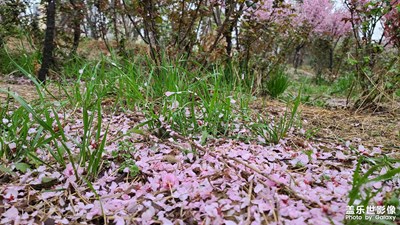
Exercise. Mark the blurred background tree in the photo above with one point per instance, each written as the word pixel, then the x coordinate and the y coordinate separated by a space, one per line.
pixel 253 37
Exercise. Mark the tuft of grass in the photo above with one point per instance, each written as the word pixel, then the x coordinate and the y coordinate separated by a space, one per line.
pixel 171 97
pixel 342 85
pixel 24 59
pixel 277 83
pixel 15 129
pixel 274 132
pixel 192 104
pixel 199 104
pixel 49 133
pixel 317 94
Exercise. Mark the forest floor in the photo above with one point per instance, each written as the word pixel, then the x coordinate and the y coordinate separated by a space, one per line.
pixel 304 179
pixel 332 124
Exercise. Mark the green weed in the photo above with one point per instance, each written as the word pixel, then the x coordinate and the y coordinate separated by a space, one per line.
pixel 342 85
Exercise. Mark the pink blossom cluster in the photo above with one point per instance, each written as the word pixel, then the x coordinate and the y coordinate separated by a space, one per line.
pixel 392 23
pixel 320 17
pixel 268 10
pixel 323 18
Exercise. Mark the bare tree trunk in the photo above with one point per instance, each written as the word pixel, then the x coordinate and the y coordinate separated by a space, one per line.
pixel 331 56
pixel 230 20
pixel 91 21
pixel 120 40
pixel 48 45
pixel 332 48
pixel 228 32
pixel 151 31
pixel 297 58
pixel 78 16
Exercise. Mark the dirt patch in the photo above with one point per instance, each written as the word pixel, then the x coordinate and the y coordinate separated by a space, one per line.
pixel 27 91
pixel 24 88
pixel 341 125
pixel 373 130
pixel 298 73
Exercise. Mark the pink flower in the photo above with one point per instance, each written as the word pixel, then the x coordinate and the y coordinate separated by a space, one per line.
pixel 69 170
pixel 169 180
pixel 69 173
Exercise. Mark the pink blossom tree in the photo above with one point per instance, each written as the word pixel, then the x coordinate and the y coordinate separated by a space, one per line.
pixel 320 19
pixel 266 35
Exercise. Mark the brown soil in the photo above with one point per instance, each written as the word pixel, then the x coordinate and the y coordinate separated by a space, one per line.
pixel 28 92
pixel 24 88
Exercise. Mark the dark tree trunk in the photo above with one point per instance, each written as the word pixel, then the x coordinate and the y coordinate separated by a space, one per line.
pixel 297 56
pixel 1 41
pixel 120 40
pixel 332 48
pixel 228 39
pixel 102 7
pixel 77 5
pixel 331 56
pixel 114 20
pixel 230 20
pixel 48 45
pixel 228 33
pixel 151 31
pixel 36 33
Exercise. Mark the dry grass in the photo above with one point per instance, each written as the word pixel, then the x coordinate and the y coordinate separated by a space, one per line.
pixel 341 125
pixel 366 128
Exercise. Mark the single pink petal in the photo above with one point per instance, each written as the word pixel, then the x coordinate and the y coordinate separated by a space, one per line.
pixel 303 159
pixel 148 214
pixel 211 209
pixel 169 93
pixel 229 222
pixel 258 188
pixel 340 155
pixel 119 220
pixel 11 213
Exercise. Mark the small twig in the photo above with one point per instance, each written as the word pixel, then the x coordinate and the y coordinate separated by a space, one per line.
pixel 255 169
pixel 276 211
pixel 79 193
pixel 349 94
pixel 248 221
pixel 71 201
pixel 197 146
